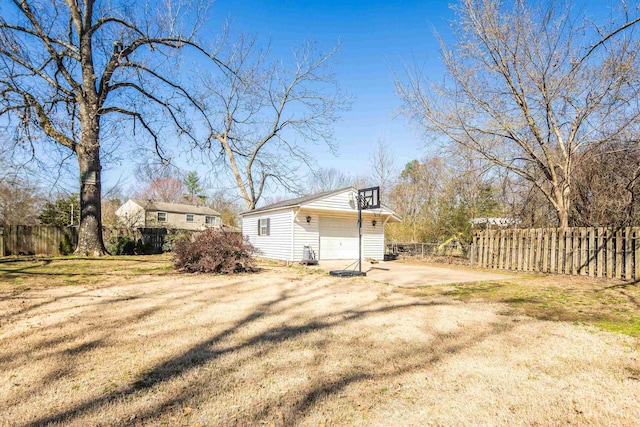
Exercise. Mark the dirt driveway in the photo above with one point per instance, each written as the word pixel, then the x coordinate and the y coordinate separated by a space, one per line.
pixel 292 347
pixel 414 275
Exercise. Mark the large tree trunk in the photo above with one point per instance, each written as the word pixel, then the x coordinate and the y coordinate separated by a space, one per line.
pixel 562 206
pixel 90 241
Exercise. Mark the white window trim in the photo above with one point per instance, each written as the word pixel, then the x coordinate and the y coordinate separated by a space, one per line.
pixel 193 217
pixel 211 220
pixel 263 223
pixel 166 217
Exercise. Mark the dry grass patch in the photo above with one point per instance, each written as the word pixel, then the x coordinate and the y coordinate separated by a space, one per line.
pixel 286 347
pixel 21 273
pixel 610 304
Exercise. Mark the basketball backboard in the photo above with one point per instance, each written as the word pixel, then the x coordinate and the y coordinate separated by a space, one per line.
pixel 369 198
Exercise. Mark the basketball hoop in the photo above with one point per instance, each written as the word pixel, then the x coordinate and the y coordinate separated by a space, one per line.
pixel 369 198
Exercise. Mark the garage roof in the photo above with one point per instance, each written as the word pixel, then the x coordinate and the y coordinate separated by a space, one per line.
pixel 298 201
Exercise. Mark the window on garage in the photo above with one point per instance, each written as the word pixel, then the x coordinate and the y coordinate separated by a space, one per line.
pixel 190 218
pixel 162 217
pixel 264 226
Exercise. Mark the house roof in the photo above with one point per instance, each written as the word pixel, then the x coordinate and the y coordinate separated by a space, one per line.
pixel 298 201
pixel 150 205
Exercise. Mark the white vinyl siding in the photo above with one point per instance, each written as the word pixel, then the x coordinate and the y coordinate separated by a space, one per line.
pixel 306 234
pixel 277 245
pixel 131 215
pixel 343 201
pixel 332 231
pixel 373 239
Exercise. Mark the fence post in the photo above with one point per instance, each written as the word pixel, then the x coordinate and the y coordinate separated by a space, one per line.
pixel 471 249
pixel 513 265
pixel 592 252
pixel 485 249
pixel 627 254
pixel 2 252
pixel 619 254
pixel 501 250
pixel 636 255
pixel 609 254
pixel 568 248
pixel 584 254
pixel 600 247
pixel 553 254
pixel 507 249
pixel 575 250
pixel 539 255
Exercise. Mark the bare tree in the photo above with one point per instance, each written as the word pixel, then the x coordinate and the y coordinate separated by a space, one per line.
pixel 72 72
pixel 20 201
pixel 607 187
pixel 229 207
pixel 383 167
pixel 263 116
pixel 329 179
pixel 169 189
pixel 531 87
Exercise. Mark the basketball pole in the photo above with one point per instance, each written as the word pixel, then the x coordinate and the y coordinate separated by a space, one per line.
pixel 359 235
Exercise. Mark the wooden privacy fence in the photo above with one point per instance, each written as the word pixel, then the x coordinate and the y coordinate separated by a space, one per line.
pixel 46 239
pixel 424 249
pixel 149 236
pixel 34 239
pixel 595 251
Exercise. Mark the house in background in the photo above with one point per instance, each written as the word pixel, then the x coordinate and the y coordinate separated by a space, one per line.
pixel 149 214
pixel 326 222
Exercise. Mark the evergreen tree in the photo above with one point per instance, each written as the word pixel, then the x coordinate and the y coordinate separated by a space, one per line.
pixel 62 212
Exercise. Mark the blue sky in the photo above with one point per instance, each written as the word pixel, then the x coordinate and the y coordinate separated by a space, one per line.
pixel 376 38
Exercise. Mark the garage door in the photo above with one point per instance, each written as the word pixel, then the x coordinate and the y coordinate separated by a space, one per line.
pixel 338 238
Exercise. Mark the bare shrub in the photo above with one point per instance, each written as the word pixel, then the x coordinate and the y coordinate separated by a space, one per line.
pixel 214 251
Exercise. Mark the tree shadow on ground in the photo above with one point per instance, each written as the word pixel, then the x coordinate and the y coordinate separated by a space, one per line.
pixel 268 326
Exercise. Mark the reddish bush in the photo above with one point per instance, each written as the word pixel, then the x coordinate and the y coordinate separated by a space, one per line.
pixel 214 251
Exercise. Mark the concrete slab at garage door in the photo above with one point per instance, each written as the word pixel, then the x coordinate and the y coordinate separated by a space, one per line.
pixel 416 275
pixel 338 238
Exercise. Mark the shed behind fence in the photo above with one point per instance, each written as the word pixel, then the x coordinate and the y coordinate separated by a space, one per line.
pixel 594 251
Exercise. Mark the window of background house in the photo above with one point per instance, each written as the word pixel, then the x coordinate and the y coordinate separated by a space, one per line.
pixel 162 217
pixel 210 220
pixel 263 227
pixel 190 218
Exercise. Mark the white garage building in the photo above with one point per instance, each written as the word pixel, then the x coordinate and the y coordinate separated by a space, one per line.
pixel 326 222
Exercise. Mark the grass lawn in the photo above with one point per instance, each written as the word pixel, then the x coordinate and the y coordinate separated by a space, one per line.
pixel 126 341
pixel 612 305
